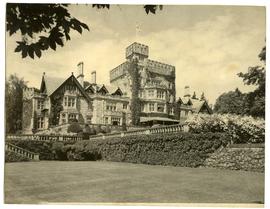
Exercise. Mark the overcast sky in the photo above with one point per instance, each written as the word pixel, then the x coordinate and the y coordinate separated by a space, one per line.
pixel 208 45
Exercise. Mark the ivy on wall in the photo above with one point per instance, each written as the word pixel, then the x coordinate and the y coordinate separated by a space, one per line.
pixel 135 106
pixel 56 108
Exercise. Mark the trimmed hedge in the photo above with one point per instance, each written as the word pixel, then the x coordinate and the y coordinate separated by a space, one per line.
pixel 13 157
pixel 178 149
pixel 48 150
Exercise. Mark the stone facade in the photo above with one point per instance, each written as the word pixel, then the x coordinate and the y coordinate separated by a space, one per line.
pixel 93 103
pixel 70 100
pixel 157 82
pixel 237 158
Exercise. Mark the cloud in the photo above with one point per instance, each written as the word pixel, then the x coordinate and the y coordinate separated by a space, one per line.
pixel 207 45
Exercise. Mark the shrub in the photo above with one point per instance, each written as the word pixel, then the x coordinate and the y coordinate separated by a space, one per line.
pixel 178 149
pixel 74 127
pixel 47 150
pixel 13 157
pixel 241 129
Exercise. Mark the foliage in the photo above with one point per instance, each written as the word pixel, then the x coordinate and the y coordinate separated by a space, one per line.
pixel 135 104
pixel 47 150
pixel 42 26
pixel 256 75
pixel 56 108
pixel 241 129
pixel 14 103
pixel 152 8
pixel 178 149
pixel 255 101
pixel 13 157
pixel 231 102
pixel 74 127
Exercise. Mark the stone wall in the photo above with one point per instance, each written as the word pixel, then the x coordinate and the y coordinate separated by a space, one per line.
pixel 238 158
pixel 27 116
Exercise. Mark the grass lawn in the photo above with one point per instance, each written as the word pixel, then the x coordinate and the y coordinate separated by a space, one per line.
pixel 112 182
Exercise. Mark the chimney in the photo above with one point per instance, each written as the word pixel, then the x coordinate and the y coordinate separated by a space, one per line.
pixel 80 76
pixel 186 92
pixel 93 77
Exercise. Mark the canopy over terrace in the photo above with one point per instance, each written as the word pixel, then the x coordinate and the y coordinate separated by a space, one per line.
pixel 149 121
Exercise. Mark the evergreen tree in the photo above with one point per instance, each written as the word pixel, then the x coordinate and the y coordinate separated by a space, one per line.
pixel 14 103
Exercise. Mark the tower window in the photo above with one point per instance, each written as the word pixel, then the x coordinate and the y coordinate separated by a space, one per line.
pixel 151 107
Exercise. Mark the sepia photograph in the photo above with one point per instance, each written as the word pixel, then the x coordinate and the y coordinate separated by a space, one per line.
pixel 140 104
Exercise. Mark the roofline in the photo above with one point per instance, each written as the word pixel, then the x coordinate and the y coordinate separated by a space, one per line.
pixel 77 83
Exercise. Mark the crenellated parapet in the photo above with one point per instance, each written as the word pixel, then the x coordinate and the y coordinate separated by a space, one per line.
pixel 29 93
pixel 119 71
pixel 137 49
pixel 160 68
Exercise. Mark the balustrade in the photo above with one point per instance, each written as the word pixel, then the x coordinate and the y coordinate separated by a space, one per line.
pixel 157 130
pixel 22 152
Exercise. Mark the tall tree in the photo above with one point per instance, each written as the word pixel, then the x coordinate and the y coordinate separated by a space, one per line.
pixel 230 102
pixel 44 26
pixel 255 101
pixel 13 103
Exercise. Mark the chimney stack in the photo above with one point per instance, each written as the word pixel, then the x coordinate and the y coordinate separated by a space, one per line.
pixel 80 76
pixel 186 92
pixel 93 77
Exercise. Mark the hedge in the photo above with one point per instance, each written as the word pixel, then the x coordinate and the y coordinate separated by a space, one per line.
pixel 178 149
pixel 13 157
pixel 47 150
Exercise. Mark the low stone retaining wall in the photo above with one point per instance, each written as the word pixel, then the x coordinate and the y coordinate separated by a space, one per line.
pixel 240 157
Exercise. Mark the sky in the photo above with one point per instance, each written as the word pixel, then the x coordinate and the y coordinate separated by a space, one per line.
pixel 208 45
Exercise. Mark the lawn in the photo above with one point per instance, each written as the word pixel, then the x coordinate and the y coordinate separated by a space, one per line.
pixel 112 182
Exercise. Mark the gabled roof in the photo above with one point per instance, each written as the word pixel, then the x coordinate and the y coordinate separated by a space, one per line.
pixel 90 87
pixel 51 84
pixel 107 88
pixel 187 101
pixel 199 104
pixel 113 90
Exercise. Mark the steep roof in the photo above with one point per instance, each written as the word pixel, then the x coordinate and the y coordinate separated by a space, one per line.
pixel 50 84
pixel 108 88
pixel 197 105
pixel 186 100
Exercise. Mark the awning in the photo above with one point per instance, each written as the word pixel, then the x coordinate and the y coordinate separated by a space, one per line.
pixel 147 119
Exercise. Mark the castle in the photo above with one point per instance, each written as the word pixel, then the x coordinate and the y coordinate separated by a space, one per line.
pixel 62 100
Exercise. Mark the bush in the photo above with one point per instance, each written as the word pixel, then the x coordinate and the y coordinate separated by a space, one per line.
pixel 178 149
pixel 74 127
pixel 13 157
pixel 241 129
pixel 47 150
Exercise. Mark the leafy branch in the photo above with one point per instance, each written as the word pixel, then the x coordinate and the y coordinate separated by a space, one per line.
pixel 44 26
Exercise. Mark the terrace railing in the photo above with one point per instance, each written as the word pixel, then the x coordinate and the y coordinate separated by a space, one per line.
pixel 157 130
pixel 44 137
pixel 22 152
pixel 146 131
